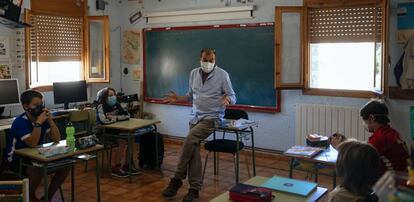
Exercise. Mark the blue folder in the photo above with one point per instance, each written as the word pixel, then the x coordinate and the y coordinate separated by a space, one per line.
pixel 288 185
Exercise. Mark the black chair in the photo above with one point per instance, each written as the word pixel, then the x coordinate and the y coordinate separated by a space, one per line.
pixel 227 146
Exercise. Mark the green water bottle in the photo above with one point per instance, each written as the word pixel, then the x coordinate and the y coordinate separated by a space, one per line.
pixel 70 136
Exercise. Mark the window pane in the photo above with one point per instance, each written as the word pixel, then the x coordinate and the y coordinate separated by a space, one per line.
pixel 344 66
pixel 48 72
pixel 291 46
pixel 96 49
pixel 378 67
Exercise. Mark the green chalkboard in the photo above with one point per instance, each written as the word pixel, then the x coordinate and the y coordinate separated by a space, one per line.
pixel 245 52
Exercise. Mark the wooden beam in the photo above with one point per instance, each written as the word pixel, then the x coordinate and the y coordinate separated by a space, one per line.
pixel 336 3
pixel 60 7
pixel 398 93
pixel 341 93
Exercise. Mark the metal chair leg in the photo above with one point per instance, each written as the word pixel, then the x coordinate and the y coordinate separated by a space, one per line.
pixel 292 160
pixel 205 166
pixel 72 183
pixel 246 160
pixel 86 166
pixel 62 197
pixel 110 160
pixel 235 168
pixel 105 151
pixel 215 156
pixel 218 163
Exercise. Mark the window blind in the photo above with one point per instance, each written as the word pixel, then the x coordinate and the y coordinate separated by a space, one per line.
pixel 350 24
pixel 55 38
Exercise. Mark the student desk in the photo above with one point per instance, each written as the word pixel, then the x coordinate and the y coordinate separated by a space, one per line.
pixel 327 157
pixel 245 129
pixel 6 124
pixel 5 127
pixel 130 126
pixel 317 195
pixel 33 155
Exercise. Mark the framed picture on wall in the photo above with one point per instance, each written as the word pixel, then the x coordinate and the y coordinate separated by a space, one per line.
pixel 131 47
pixel 4 48
pixel 136 73
pixel 5 71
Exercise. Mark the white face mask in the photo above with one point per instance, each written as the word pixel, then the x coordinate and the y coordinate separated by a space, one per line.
pixel 207 67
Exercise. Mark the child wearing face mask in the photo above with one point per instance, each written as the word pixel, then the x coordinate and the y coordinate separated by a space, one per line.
pixel 110 111
pixel 29 130
pixel 392 149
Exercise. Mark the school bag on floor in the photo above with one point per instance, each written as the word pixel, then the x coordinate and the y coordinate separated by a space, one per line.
pixel 147 155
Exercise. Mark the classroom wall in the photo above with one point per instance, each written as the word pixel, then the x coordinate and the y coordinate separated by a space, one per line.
pixel 276 131
pixel 112 9
pixel 400 109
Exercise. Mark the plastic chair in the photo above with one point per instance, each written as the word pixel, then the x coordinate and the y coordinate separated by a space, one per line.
pixel 80 118
pixel 84 118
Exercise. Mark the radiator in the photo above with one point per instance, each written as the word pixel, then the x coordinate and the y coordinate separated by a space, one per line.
pixel 327 120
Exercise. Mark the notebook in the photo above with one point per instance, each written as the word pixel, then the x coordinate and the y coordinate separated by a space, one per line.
pixel 288 185
pixel 304 151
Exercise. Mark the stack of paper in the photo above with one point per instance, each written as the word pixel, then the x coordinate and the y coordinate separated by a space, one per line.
pixel 304 151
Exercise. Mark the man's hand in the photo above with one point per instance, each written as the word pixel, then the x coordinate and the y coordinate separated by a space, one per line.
pixel 225 100
pixel 171 97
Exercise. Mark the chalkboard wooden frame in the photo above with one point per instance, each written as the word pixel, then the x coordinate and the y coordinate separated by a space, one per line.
pixel 275 109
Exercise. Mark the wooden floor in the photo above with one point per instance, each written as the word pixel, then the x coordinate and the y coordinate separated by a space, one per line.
pixel 149 184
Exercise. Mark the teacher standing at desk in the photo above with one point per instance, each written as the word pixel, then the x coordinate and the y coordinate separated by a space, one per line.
pixel 210 92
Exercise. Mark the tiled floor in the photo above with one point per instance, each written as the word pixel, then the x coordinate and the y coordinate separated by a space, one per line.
pixel 148 185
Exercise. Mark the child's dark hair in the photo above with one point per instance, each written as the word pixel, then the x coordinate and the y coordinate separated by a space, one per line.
pixel 377 109
pixel 104 95
pixel 358 166
pixel 27 96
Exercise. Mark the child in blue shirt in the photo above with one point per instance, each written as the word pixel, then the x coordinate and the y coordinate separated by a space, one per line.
pixel 29 130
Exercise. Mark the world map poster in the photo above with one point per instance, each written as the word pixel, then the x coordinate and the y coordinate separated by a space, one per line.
pixel 131 47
